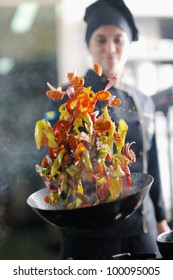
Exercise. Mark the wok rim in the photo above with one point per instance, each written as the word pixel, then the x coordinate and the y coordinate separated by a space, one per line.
pixel 160 236
pixel 54 208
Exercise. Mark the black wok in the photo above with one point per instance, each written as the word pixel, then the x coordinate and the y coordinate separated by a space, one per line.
pixel 94 217
pixel 165 244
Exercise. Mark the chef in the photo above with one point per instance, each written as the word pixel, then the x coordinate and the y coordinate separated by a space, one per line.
pixel 110 28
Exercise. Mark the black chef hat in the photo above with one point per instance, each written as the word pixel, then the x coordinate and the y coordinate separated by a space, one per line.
pixel 110 12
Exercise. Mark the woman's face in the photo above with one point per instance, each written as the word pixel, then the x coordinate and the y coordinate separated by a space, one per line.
pixel 109 47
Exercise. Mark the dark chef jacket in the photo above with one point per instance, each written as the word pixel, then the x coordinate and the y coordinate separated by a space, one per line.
pixel 138 112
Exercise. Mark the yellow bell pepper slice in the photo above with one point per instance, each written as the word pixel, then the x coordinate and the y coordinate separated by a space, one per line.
pixel 43 127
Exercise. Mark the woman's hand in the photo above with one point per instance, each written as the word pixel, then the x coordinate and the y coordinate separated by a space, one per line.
pixel 162 227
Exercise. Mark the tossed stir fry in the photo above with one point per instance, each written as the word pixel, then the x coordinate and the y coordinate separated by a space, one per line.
pixel 88 160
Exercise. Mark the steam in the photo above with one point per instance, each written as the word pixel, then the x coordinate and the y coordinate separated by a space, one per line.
pixel 23 102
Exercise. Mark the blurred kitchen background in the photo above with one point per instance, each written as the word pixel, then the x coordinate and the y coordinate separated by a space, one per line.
pixel 40 41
